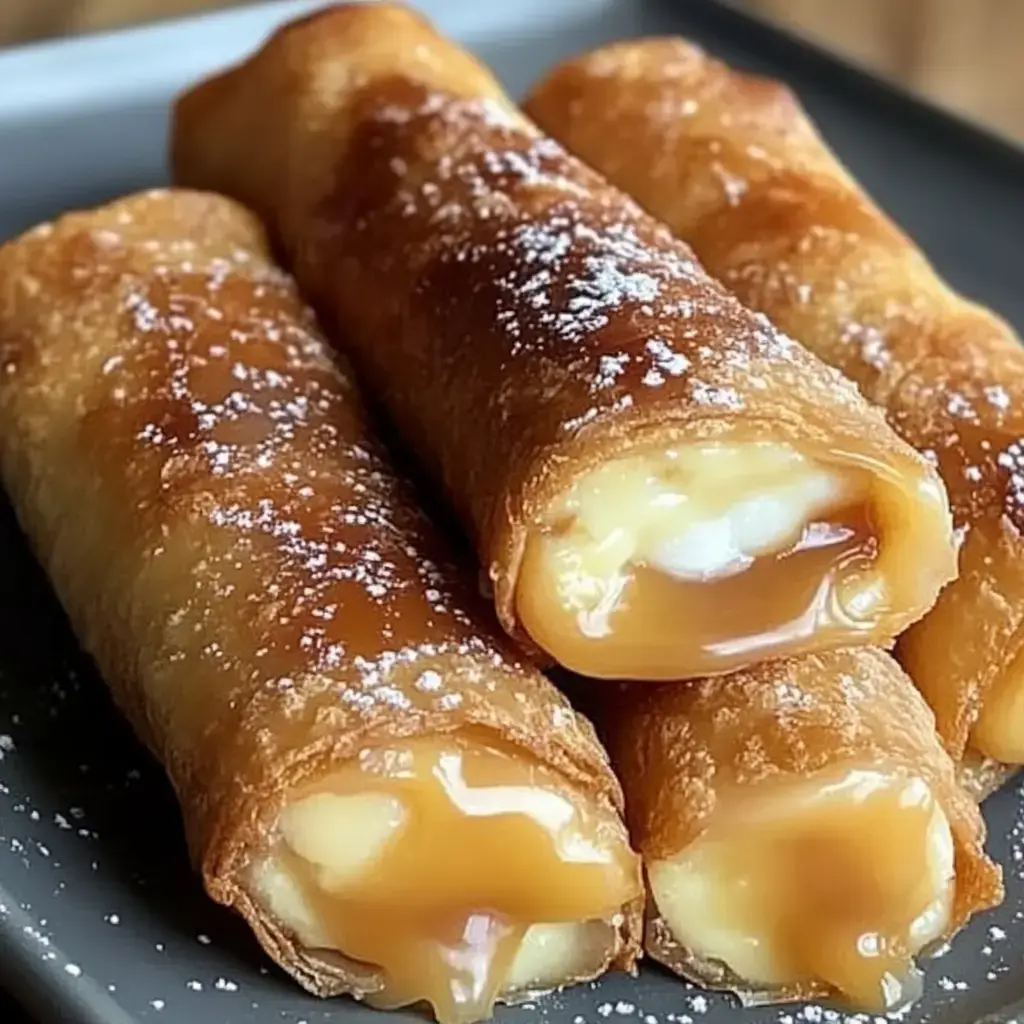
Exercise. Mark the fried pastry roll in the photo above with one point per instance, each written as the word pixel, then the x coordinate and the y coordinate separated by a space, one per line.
pixel 734 165
pixel 801 827
pixel 398 808
pixel 638 459
pixel 982 776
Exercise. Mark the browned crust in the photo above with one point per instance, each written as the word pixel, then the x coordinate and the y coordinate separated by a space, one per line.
pixel 732 163
pixel 520 320
pixel 259 589
pixel 981 777
pixel 679 749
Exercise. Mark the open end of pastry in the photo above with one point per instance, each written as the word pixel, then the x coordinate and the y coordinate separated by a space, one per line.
pixel 702 559
pixel 462 873
pixel 999 731
pixel 838 882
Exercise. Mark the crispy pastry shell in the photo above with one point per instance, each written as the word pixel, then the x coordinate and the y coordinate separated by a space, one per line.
pixel 258 588
pixel 682 750
pixel 733 164
pixel 521 321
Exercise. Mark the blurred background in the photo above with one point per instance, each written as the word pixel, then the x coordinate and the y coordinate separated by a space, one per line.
pixel 965 54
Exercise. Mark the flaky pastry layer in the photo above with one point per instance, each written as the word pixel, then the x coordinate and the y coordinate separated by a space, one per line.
pixel 522 322
pixel 732 163
pixel 260 590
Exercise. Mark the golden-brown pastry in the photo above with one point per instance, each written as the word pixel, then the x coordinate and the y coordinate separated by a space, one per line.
pixel 638 459
pixel 398 808
pixel 733 164
pixel 801 827
pixel 982 776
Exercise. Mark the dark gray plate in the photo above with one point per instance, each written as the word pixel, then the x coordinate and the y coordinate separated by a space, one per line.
pixel 100 919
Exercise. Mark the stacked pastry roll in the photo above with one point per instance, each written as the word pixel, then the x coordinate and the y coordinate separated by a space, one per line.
pixel 659 484
pixel 802 829
pixel 398 806
pixel 636 456
pixel 733 164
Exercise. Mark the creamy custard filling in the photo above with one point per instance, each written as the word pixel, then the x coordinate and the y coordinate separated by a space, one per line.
pixel 698 560
pixel 841 882
pixel 461 872
pixel 999 731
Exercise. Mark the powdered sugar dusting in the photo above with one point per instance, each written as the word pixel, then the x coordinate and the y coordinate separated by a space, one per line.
pixel 966 414
pixel 960 413
pixel 567 294
pixel 622 998
pixel 818 257
pixel 287 565
pixel 221 401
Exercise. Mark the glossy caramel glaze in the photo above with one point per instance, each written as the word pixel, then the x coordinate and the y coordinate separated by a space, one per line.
pixel 733 164
pixel 258 588
pixel 694 757
pixel 681 592
pixel 521 321
pixel 437 902
pixel 649 625
pixel 841 879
